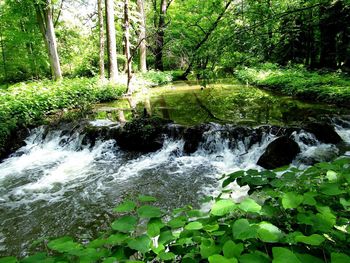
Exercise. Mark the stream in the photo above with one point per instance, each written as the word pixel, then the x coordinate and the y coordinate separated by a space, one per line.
pixel 58 185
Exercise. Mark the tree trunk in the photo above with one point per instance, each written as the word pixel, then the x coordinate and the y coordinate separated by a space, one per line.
pixel 204 39
pixel 45 20
pixel 142 36
pixel 102 40
pixel 3 55
pixel 160 36
pixel 111 43
pixel 127 44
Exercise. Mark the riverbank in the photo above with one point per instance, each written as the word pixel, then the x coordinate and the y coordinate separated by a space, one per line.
pixel 27 104
pixel 332 88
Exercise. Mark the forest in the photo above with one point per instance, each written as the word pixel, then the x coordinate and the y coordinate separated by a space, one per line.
pixel 175 131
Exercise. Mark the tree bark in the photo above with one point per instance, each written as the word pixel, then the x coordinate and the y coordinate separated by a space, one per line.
pixel 142 36
pixel 45 20
pixel 102 41
pixel 111 43
pixel 160 36
pixel 127 44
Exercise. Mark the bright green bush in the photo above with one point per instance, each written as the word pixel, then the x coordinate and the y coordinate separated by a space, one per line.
pixel 157 77
pixel 290 216
pixel 25 104
pixel 299 82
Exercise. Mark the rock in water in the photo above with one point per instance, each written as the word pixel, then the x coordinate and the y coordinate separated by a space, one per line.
pixel 323 132
pixel 280 152
pixel 142 135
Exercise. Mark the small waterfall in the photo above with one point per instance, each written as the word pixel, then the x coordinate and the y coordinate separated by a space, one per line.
pixel 58 184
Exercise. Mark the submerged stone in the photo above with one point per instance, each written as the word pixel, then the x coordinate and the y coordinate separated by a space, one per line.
pixel 278 153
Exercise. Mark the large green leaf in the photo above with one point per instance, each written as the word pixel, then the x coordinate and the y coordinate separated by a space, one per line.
pixel 243 230
pixel 220 259
pixel 141 243
pixel 149 211
pixel 8 260
pixel 194 226
pixel 116 239
pixel 208 248
pixel 64 244
pixel 291 200
pixel 177 222
pixel 255 257
pixel 314 240
pixel 250 206
pixel 340 258
pixel 284 255
pixel 231 249
pixel 223 207
pixel 267 232
pixel 154 226
pixel 125 224
pixel 126 206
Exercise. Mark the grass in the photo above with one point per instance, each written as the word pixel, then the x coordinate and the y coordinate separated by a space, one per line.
pixel 333 88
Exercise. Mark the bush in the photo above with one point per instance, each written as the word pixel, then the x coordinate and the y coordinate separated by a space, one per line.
pixel 297 81
pixel 290 216
pixel 26 104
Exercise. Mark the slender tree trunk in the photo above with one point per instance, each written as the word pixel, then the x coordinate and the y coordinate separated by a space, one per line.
pixel 45 20
pixel 142 36
pixel 204 39
pixel 102 40
pixel 127 44
pixel 160 36
pixel 111 43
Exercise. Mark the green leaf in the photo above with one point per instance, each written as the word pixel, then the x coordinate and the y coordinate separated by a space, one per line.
pixel 313 240
pixel 126 206
pixel 154 226
pixel 211 228
pixel 146 198
pixel 291 200
pixel 194 226
pixel 241 229
pixel 116 239
pixel 231 249
pixel 309 199
pixel 345 203
pixel 166 237
pixel 177 222
pixel 110 260
pixel 166 256
pixel 255 257
pixel 64 244
pixel 141 243
pixel 38 258
pixel 284 255
pixel 149 211
pixel 250 206
pixel 208 248
pixel 97 243
pixel 8 260
pixel 340 258
pixel 306 258
pixel 220 259
pixel 331 189
pixel 223 207
pixel 125 224
pixel 267 232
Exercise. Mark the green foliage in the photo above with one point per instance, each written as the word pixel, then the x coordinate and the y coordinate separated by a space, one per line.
pixel 25 104
pixel 156 78
pixel 286 219
pixel 297 81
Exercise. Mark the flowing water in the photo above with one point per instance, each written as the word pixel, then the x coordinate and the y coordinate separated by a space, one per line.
pixel 56 185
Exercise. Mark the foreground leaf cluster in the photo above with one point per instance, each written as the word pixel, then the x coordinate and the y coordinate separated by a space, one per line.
pixel 289 216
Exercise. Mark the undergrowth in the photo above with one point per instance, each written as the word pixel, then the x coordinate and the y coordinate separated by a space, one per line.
pixel 297 81
pixel 290 216
pixel 26 104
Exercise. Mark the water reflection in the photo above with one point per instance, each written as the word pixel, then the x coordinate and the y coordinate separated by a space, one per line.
pixel 226 101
